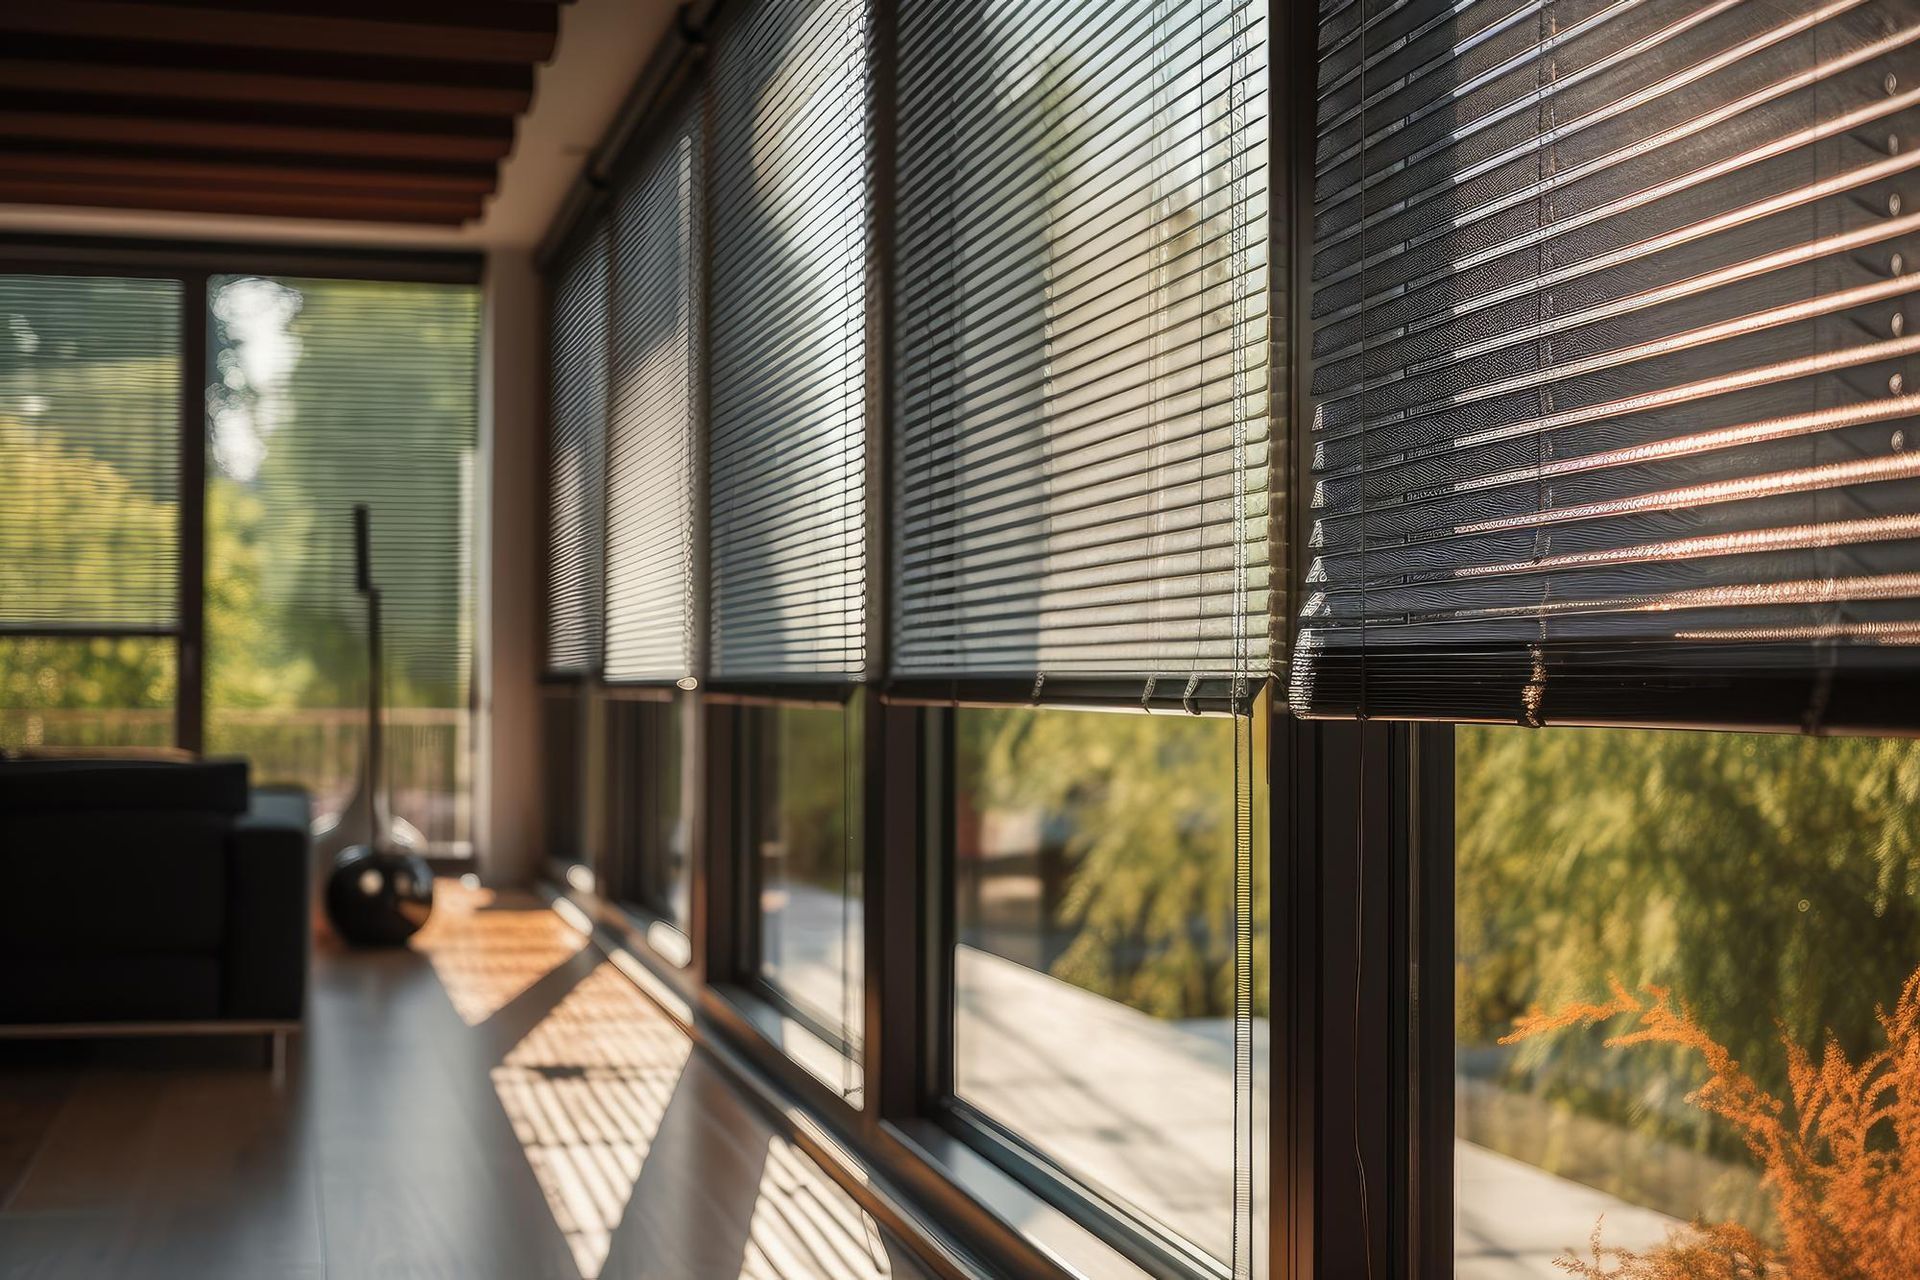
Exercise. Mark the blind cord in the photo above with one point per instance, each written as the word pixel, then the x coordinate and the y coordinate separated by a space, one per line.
pixel 1359 969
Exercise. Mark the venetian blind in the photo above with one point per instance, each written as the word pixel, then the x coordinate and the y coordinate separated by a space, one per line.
pixel 90 383
pixel 576 452
pixel 1082 457
pixel 1613 327
pixel 328 394
pixel 790 192
pixel 651 463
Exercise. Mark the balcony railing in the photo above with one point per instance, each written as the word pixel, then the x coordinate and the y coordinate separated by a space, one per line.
pixel 429 758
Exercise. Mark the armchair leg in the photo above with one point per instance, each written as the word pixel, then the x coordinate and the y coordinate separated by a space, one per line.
pixel 277 1056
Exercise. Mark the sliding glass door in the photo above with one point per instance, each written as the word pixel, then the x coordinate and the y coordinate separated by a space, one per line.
pixel 175 528
pixel 325 394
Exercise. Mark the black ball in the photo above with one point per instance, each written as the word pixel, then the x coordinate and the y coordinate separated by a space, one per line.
pixel 378 899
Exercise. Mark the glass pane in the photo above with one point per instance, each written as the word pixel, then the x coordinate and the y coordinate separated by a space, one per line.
pixel 328 393
pixel 94 691
pixel 89 452
pixel 1766 885
pixel 562 765
pixel 1094 966
pixel 651 866
pixel 809 927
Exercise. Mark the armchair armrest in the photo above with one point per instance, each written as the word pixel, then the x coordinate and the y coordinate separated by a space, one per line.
pixel 267 925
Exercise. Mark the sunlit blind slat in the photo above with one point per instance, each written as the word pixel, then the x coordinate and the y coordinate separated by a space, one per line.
pixel 576 452
pixel 790 192
pixel 1082 340
pixel 90 385
pixel 651 465
pixel 1613 330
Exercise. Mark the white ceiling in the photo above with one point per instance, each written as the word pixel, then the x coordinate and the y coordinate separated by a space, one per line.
pixel 602 47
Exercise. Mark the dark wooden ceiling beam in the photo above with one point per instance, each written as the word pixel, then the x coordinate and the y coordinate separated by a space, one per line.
pixel 334 205
pixel 511 77
pixel 364 110
pixel 503 31
pixel 228 171
pixel 243 135
pixel 345 119
pixel 43 74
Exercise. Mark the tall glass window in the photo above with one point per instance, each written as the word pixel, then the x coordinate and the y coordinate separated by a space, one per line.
pixel 1650 926
pixel 806 930
pixel 646 758
pixel 324 394
pixel 90 386
pixel 1094 952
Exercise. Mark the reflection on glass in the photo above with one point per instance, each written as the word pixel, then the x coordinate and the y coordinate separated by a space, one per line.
pixel 323 394
pixel 652 867
pixel 1768 883
pixel 809 926
pixel 1094 967
pixel 93 691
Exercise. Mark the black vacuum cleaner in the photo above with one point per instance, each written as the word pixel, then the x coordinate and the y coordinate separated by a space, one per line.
pixel 377 895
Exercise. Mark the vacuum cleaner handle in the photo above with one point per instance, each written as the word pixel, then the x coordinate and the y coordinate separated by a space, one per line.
pixel 362 551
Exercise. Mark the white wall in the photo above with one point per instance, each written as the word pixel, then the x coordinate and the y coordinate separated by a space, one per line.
pixel 508 787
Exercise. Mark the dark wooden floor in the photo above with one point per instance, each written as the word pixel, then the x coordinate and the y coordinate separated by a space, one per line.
pixel 498 1102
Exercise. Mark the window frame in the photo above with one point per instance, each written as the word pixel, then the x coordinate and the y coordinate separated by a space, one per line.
pixel 1028 1219
pixel 192 265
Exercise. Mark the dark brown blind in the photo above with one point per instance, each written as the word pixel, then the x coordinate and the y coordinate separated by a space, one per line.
pixel 576 452
pixel 790 192
pixel 652 441
pixel 1613 331
pixel 1082 338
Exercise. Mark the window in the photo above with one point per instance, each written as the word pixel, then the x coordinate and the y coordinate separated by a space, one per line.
pixel 789 197
pixel 650 839
pixel 1081 515
pixel 327 393
pixel 563 765
pixel 1094 962
pixel 90 383
pixel 1766 882
pixel 799 782
pixel 93 691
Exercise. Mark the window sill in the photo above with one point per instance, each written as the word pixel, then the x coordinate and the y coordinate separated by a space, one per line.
pixel 822 1059
pixel 1068 1245
pixel 921 1180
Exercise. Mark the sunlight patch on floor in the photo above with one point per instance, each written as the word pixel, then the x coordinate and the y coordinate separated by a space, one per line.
pixel 485 958
pixel 586 1092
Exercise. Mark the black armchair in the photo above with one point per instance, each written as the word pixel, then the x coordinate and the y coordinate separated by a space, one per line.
pixel 150 897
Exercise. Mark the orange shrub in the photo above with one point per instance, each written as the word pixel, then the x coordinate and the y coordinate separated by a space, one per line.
pixel 1842 1163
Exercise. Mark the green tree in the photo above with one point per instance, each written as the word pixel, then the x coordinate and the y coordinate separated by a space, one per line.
pixel 1771 881
pixel 1146 805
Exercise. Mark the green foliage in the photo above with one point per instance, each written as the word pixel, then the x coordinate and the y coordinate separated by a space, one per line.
pixel 813 804
pixel 1773 880
pixel 1146 804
